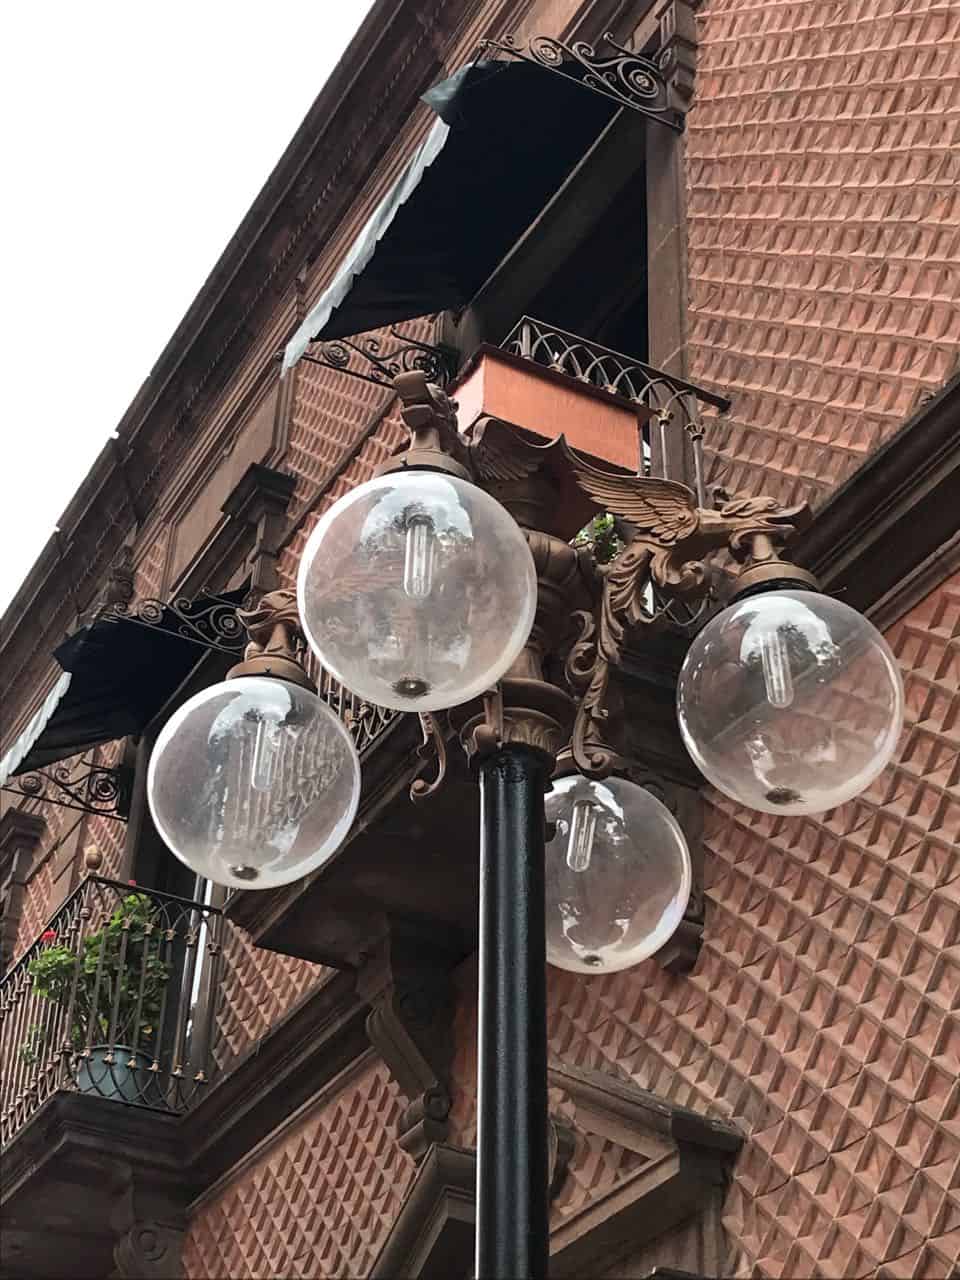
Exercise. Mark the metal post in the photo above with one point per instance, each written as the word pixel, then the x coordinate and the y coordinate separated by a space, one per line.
pixel 512 1161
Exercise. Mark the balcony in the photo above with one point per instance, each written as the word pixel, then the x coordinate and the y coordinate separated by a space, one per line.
pixel 108 1037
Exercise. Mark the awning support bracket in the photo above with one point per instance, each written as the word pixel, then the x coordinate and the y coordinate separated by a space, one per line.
pixel 630 79
pixel 210 622
pixel 373 360
pixel 78 784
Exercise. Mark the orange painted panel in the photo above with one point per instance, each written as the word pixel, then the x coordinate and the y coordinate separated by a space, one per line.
pixel 549 405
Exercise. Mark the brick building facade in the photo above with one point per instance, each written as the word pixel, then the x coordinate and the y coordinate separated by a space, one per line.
pixel 801 250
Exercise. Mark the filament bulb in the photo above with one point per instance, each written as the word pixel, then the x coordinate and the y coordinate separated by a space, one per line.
pixel 418 556
pixel 583 829
pixel 775 663
pixel 266 750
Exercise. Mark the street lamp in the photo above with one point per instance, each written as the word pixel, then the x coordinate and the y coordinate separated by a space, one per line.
pixel 618 874
pixel 420 591
pixel 417 590
pixel 255 782
pixel 790 701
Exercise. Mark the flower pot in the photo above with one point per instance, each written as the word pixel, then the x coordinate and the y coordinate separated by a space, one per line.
pixel 117 1079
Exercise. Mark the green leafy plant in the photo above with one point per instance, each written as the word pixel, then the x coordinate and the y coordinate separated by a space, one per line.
pixel 105 972
pixel 601 534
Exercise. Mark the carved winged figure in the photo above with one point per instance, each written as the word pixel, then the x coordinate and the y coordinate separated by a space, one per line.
pixel 670 536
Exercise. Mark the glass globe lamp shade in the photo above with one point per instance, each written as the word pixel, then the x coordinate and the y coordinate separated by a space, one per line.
pixel 617 874
pixel 790 702
pixel 254 782
pixel 417 590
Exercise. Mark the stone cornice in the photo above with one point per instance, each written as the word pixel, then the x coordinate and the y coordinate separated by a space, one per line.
pixel 895 519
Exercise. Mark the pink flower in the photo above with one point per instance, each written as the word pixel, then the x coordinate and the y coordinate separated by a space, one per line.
pixel 133 882
pixel 48 935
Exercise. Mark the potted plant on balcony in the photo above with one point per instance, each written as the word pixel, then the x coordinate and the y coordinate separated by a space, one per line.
pixel 112 986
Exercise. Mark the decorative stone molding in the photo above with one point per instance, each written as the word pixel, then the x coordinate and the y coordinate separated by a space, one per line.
pixel 149 1251
pixel 260 500
pixel 677 57
pixel 95 1188
pixel 563 1143
pixel 411 1027
pixel 675 1173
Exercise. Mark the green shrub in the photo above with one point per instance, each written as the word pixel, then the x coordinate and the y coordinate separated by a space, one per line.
pixel 54 968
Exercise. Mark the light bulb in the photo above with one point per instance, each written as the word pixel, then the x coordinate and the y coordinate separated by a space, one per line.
pixel 254 782
pixel 618 874
pixel 583 830
pixel 420 543
pixel 775 663
pixel 417 590
pixel 267 746
pixel 790 702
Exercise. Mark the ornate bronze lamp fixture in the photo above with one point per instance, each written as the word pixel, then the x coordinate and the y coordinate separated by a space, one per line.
pixel 449 585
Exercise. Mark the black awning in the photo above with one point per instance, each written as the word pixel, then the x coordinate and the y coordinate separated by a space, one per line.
pixel 119 674
pixel 509 133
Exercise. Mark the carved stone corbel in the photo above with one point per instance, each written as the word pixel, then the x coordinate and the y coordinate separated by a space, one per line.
pixel 260 500
pixel 411 1026
pixel 149 1251
pixel 149 1223
pixel 677 58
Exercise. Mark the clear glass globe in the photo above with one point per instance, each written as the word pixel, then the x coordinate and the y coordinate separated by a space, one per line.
pixel 617 874
pixel 254 782
pixel 417 590
pixel 790 702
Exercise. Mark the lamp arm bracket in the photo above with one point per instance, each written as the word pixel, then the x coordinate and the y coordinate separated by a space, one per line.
pixel 434 744
pixel 663 563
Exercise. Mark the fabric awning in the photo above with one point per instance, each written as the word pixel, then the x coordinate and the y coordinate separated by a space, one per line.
pixel 117 676
pixel 507 136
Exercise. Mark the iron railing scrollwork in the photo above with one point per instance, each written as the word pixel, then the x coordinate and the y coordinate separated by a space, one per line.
pixel 629 79
pixel 376 360
pixel 116 999
pixel 213 623
pixel 669 400
pixel 366 721
pixel 210 621
pixel 78 784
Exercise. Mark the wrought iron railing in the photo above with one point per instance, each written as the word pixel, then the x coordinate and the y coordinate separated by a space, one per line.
pixel 115 999
pixel 672 401
pixel 366 721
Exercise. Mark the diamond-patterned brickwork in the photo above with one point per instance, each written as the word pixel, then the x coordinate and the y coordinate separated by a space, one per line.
pixel 823 1015
pixel 256 988
pixel 824 1012
pixel 823 189
pixel 36 907
pixel 148 579
pixel 318 1203
pixel 38 899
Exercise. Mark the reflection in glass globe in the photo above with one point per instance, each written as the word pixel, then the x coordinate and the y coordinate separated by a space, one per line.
pixel 417 590
pixel 790 702
pixel 617 874
pixel 254 782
